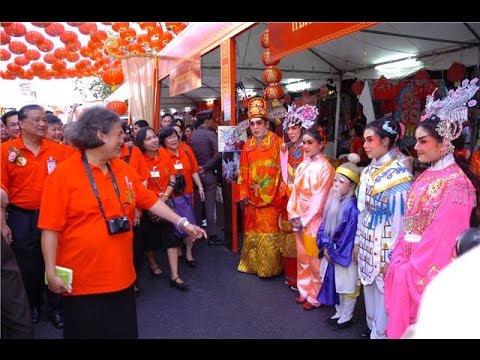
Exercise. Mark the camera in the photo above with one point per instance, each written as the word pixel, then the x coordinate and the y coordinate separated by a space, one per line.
pixel 118 225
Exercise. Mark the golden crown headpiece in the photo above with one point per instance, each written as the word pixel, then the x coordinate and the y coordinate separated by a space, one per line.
pixel 257 107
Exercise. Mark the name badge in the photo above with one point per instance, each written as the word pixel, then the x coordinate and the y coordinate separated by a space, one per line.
pixel 154 173
pixel 178 165
pixel 51 164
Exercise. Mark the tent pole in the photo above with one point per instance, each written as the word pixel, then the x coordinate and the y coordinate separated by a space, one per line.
pixel 337 115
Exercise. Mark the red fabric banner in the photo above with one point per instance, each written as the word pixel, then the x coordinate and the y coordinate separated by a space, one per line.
pixel 289 38
pixel 186 76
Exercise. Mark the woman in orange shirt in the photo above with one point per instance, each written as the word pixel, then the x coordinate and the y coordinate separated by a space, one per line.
pixel 183 162
pixel 160 182
pixel 86 218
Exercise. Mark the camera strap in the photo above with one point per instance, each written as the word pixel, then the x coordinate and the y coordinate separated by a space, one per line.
pixel 94 185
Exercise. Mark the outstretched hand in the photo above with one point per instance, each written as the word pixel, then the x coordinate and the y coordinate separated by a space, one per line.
pixel 195 231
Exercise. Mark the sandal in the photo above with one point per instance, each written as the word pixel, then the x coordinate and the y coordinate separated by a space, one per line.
pixel 155 271
pixel 179 285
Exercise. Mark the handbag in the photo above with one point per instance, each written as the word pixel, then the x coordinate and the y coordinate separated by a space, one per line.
pixel 180 184
pixel 155 218
pixel 169 202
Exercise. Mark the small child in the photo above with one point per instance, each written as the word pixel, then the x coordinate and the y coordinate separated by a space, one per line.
pixel 335 239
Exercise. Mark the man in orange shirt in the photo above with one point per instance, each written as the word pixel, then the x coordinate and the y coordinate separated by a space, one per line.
pixel 25 162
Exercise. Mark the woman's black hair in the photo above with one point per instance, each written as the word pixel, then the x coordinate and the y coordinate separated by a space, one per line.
pixel 385 128
pixel 141 136
pixel 430 125
pixel 83 132
pixel 313 132
pixel 165 133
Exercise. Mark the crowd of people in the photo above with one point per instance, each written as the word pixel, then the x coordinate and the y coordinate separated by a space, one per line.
pixel 369 225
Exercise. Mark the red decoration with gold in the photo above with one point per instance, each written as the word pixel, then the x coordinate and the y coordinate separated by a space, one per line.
pixel 384 89
pixel 118 107
pixel 267 61
pixel 272 75
pixel 265 39
pixel 273 91
pixel 113 77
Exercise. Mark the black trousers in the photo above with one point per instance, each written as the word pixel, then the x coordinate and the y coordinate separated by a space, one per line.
pixel 101 316
pixel 28 251
pixel 16 316
pixel 209 182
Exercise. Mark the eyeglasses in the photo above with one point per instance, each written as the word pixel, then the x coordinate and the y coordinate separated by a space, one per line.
pixel 258 123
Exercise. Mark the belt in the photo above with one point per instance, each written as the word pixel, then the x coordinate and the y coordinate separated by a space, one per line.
pixel 11 208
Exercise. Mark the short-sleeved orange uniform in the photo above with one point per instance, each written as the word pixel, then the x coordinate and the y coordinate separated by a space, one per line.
pixel 164 168
pixel 24 184
pixel 187 159
pixel 101 262
pixel 136 161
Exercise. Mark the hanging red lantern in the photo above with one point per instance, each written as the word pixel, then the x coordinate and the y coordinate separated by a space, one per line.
pixel 21 60
pixel 32 54
pixel 384 89
pixel 113 77
pixel 17 47
pixel 456 72
pixel 267 61
pixel 357 87
pixel 16 29
pixel 272 75
pixel 265 39
pixel 34 37
pixel 45 46
pixel 5 55
pixel 273 92
pixel 4 38
pixel 55 29
pixel 118 107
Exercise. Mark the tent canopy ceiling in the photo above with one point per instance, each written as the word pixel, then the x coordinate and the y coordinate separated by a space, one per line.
pixel 436 45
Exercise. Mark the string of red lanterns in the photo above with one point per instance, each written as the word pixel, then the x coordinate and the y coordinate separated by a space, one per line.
pixel 56 50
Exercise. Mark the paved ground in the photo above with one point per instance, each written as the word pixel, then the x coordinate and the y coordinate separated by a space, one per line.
pixel 223 304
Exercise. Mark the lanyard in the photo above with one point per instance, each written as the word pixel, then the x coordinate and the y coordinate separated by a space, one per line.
pixel 94 186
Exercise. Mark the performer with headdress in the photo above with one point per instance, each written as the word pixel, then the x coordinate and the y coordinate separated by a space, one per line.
pixel 383 187
pixel 291 155
pixel 335 239
pixel 313 180
pixel 438 208
pixel 260 191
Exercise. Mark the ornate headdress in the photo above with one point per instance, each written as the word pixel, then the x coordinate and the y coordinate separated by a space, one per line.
pixel 257 107
pixel 452 110
pixel 305 116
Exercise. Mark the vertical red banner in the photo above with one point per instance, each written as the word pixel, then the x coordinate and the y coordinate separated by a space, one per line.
pixel 227 85
pixel 289 38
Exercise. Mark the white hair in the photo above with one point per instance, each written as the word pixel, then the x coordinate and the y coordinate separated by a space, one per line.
pixel 334 208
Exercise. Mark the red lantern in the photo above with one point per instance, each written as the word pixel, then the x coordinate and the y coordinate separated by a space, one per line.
pixel 34 37
pixel 265 39
pixel 4 38
pixel 5 55
pixel 273 92
pixel 118 107
pixel 384 89
pixel 16 29
pixel 266 59
pixel 113 77
pixel 357 87
pixel 55 29
pixel 32 54
pixel 17 47
pixel 456 72
pixel 272 75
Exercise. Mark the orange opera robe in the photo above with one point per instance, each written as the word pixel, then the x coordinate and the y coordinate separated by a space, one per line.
pixel 260 164
pixel 313 181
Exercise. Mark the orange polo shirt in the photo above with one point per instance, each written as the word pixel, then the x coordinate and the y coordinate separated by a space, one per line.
pixel 24 184
pixel 100 262
pixel 68 150
pixel 164 168
pixel 136 161
pixel 188 161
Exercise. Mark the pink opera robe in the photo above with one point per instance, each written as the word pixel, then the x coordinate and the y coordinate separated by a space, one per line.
pixel 438 210
pixel 313 180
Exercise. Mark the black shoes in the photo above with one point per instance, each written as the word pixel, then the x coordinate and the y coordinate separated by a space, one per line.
pixel 155 271
pixel 331 322
pixel 57 320
pixel 178 285
pixel 35 315
pixel 213 240
pixel 192 263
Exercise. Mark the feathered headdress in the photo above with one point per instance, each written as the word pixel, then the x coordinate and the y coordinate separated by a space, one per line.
pixel 452 110
pixel 305 116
